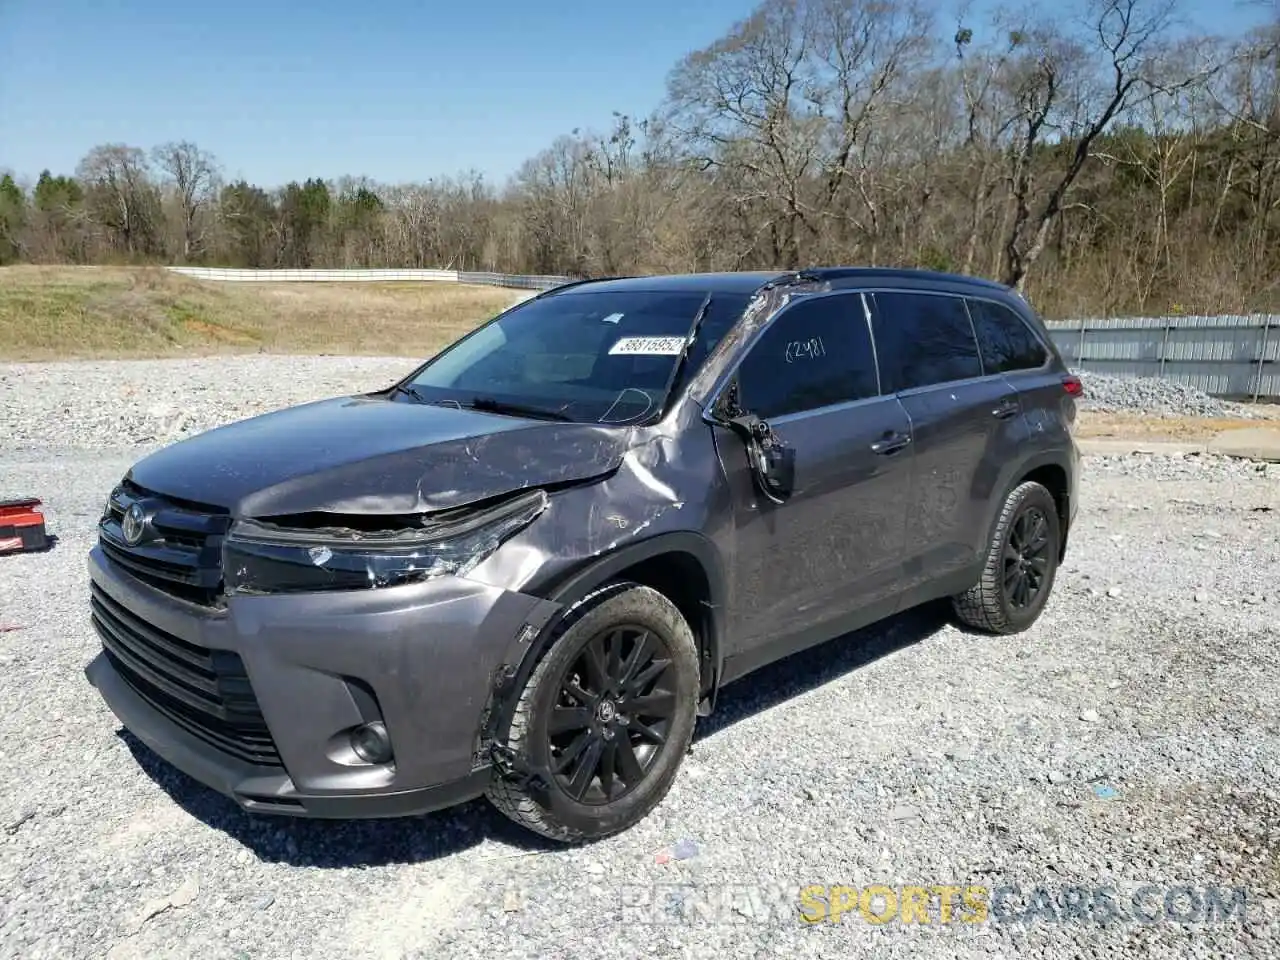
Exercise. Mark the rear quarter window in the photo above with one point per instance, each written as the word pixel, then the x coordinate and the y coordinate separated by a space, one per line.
pixel 1006 342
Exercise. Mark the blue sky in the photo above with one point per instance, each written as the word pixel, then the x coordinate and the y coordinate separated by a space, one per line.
pixel 393 90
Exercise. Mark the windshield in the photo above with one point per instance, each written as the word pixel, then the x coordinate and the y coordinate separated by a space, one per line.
pixel 602 356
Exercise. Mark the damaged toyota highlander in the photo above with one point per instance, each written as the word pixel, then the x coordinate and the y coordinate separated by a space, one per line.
pixel 527 568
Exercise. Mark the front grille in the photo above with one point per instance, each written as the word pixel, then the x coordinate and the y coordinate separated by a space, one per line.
pixel 181 550
pixel 205 692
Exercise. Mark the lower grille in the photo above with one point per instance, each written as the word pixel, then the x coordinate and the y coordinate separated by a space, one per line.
pixel 205 692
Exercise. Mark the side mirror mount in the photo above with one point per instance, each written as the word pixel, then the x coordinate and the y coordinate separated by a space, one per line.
pixel 778 471
pixel 773 463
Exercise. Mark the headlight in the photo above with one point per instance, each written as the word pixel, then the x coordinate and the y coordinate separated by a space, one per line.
pixel 262 557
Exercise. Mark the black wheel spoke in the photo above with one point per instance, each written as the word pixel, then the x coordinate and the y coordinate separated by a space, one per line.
pixel 1019 535
pixel 597 673
pixel 565 719
pixel 613 657
pixel 1039 534
pixel 574 689
pixel 656 704
pixel 586 771
pixel 649 733
pixel 648 675
pixel 629 768
pixel 571 752
pixel 644 649
pixel 608 764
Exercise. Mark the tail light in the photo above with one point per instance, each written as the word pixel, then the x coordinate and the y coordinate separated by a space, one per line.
pixel 1073 385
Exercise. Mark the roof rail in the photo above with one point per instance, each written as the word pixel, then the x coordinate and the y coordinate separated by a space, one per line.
pixel 855 273
pixel 791 277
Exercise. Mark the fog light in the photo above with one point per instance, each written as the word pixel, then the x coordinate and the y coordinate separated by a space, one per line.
pixel 371 743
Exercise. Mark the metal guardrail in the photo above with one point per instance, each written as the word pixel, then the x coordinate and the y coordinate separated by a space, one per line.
pixel 514 281
pixel 1225 356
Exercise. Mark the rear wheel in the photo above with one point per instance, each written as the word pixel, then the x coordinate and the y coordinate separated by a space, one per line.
pixel 1021 565
pixel 607 715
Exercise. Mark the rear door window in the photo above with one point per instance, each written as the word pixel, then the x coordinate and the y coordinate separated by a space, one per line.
pixel 923 339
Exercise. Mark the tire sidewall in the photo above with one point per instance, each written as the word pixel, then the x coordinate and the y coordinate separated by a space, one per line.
pixel 1036 496
pixel 646 608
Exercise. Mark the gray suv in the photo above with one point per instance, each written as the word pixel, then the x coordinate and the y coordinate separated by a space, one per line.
pixel 527 568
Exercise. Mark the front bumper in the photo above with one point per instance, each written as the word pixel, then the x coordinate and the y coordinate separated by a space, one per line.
pixel 422 658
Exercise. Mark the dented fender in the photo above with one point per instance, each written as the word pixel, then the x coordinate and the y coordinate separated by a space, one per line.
pixel 591 534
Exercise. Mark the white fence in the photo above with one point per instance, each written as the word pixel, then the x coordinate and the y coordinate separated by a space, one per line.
pixel 514 281
pixel 1225 356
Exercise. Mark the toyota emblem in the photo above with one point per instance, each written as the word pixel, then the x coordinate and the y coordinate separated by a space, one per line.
pixel 133 525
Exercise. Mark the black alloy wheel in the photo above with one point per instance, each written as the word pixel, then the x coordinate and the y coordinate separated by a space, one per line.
pixel 604 719
pixel 612 715
pixel 1026 560
pixel 1021 564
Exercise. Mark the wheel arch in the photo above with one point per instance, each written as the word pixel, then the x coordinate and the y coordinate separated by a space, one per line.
pixel 683 566
pixel 1052 470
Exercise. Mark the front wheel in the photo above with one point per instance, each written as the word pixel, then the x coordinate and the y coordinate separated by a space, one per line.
pixel 607 715
pixel 1022 562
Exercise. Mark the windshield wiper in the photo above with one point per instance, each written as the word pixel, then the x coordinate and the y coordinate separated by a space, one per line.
pixel 411 391
pixel 494 405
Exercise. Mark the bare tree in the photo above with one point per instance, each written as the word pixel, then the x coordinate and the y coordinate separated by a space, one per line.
pixel 192 175
pixel 120 195
pixel 1061 92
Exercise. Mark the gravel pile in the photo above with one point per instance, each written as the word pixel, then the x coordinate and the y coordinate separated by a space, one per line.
pixel 1129 740
pixel 1160 398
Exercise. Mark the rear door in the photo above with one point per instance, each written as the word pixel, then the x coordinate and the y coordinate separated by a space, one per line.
pixel 1010 347
pixel 966 422
pixel 834 548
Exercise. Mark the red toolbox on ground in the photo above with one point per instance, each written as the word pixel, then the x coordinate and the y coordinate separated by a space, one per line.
pixel 22 526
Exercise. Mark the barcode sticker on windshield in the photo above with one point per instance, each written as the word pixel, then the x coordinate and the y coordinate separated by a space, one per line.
pixel 649 346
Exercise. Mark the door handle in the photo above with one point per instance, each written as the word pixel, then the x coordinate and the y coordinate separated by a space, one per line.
pixel 890 443
pixel 1006 408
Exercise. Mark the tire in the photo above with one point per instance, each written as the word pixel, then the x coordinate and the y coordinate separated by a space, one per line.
pixel 988 605
pixel 558 810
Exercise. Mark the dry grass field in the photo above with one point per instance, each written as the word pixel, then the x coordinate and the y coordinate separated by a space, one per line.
pixel 80 313
pixel 1138 426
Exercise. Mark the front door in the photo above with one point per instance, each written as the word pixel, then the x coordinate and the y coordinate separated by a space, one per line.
pixel 831 554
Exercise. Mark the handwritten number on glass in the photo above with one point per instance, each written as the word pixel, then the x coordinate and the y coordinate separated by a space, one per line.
pixel 809 349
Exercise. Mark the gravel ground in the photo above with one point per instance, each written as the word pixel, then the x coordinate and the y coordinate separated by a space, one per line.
pixel 1130 738
pixel 1161 398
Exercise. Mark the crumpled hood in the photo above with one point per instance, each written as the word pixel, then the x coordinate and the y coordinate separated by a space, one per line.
pixel 363 455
